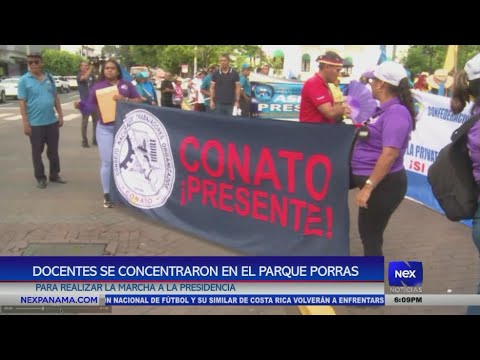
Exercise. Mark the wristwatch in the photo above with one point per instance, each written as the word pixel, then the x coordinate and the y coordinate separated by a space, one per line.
pixel 370 182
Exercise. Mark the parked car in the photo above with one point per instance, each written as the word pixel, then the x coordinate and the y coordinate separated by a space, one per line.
pixel 11 86
pixel 61 83
pixel 72 82
pixel 3 97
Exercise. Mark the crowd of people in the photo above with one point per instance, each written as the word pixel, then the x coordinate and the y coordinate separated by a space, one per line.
pixel 377 158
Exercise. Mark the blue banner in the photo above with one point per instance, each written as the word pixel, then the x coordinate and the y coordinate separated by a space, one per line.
pixel 173 268
pixel 277 100
pixel 255 300
pixel 265 187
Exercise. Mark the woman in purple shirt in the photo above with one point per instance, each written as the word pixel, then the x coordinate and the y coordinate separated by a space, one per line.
pixel 110 76
pixel 466 88
pixel 377 158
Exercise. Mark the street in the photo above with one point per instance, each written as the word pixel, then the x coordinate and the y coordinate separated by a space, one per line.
pixel 9 111
pixel 60 218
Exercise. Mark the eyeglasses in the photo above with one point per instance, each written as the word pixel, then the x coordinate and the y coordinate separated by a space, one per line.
pixel 31 62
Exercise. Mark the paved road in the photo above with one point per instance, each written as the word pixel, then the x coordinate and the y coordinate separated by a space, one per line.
pixel 73 214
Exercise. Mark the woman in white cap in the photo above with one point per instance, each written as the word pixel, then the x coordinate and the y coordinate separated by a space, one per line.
pixel 466 88
pixel 377 158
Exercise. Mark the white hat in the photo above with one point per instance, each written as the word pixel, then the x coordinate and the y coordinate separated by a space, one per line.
pixel 472 68
pixel 439 76
pixel 388 71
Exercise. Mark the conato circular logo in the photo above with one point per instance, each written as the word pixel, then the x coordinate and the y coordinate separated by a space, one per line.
pixel 143 167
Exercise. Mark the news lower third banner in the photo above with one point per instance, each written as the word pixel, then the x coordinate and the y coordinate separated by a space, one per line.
pixel 263 187
pixel 100 281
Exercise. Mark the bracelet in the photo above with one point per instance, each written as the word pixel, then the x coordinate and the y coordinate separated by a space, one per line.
pixel 371 183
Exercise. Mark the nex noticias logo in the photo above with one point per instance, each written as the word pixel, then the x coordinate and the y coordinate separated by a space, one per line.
pixel 405 273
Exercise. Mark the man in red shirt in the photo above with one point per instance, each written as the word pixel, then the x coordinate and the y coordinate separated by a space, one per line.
pixel 317 104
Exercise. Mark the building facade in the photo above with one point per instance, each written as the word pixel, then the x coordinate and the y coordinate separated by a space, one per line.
pixel 299 61
pixel 13 58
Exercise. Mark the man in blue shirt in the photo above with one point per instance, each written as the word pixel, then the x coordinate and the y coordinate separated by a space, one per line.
pixel 205 87
pixel 37 97
pixel 245 90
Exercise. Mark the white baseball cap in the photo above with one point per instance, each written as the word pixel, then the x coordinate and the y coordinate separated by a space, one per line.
pixel 388 71
pixel 472 68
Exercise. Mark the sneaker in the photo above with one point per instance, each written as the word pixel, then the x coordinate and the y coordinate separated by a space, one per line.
pixel 42 183
pixel 107 203
pixel 57 179
pixel 85 145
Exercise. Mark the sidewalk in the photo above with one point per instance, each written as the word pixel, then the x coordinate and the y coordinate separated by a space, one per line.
pixel 73 214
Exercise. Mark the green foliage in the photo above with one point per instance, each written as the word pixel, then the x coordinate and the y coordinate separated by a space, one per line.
pixel 171 57
pixel 145 54
pixel 109 51
pixel 239 61
pixel 432 57
pixel 122 53
pixel 277 65
pixel 59 62
pixel 425 58
pixel 465 53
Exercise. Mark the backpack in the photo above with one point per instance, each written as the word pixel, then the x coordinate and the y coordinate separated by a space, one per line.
pixel 451 176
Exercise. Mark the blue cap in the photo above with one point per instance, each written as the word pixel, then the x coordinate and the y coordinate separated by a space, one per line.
pixel 141 75
pixel 246 66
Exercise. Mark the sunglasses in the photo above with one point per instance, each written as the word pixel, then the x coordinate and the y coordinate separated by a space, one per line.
pixel 31 62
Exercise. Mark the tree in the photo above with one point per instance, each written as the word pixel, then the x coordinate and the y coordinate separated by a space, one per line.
pixel 171 57
pixel 425 58
pixel 432 57
pixel 59 62
pixel 465 53
pixel 110 51
pixel 145 54
pixel 122 53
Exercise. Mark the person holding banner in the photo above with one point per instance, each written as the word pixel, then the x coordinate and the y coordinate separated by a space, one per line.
pixel 377 158
pixel 110 76
pixel 317 103
pixel 466 88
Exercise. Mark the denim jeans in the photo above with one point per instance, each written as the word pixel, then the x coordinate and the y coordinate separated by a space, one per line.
pixel 105 135
pixel 475 310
